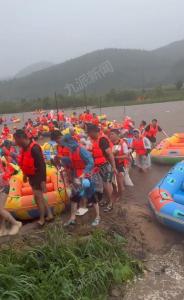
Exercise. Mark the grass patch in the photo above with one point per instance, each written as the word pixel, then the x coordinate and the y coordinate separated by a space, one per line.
pixel 66 267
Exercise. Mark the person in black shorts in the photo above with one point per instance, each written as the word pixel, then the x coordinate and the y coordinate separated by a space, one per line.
pixel 34 168
pixel 104 160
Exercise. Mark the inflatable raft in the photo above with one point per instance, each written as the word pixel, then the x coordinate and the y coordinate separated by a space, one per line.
pixel 167 198
pixel 170 150
pixel 21 202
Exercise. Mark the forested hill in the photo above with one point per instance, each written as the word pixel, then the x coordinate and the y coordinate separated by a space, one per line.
pixel 100 71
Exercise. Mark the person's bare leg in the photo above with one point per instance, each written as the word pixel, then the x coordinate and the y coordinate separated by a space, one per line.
pixel 41 205
pixel 109 192
pixel 97 210
pixel 120 182
pixel 6 216
pixel 74 206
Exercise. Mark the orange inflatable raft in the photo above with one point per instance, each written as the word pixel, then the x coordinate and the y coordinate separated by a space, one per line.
pixel 21 202
pixel 170 150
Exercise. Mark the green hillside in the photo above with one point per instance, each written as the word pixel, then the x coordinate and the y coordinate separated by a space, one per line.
pixel 100 71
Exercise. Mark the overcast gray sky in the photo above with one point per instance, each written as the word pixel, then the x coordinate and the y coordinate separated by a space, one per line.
pixel 56 30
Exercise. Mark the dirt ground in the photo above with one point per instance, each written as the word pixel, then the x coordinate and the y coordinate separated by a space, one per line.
pixel 160 247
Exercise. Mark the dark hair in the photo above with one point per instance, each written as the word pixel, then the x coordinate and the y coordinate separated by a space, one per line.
pixel 20 133
pixel 143 122
pixel 92 128
pixel 154 120
pixel 55 134
pixel 115 130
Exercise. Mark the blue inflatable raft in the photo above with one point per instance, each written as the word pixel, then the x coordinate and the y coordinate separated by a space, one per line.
pixel 167 198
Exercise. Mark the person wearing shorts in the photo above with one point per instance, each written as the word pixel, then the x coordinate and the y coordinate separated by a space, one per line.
pixel 34 169
pixel 104 160
pixel 121 154
pixel 142 147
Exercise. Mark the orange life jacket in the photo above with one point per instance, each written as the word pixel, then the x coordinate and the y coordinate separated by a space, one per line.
pixel 63 151
pixel 6 171
pixel 98 156
pixel 77 162
pixel 8 153
pixel 127 124
pixel 152 131
pixel 121 161
pixel 95 121
pixel 138 146
pixel 74 119
pixel 88 118
pixel 26 161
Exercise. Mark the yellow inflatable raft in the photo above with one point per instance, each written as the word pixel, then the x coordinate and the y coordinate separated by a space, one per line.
pixel 21 202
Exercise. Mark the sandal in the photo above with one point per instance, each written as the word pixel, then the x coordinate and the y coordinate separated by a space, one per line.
pixel 96 222
pixel 108 208
pixel 70 223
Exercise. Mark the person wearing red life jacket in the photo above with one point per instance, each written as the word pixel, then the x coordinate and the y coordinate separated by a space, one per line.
pixel 9 152
pixel 81 164
pixel 43 120
pixel 104 160
pixel 142 147
pixel 95 120
pixel 152 130
pixel 6 171
pixel 74 118
pixel 51 126
pixel 5 131
pixel 142 127
pixel 88 116
pixel 32 164
pixel 121 154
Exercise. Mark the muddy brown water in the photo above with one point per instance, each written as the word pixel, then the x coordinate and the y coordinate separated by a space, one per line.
pixel 165 248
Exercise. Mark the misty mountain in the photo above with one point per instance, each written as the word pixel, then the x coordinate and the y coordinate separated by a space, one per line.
pixel 100 71
pixel 33 68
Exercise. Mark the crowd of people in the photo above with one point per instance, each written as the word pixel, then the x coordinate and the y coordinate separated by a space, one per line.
pixel 95 153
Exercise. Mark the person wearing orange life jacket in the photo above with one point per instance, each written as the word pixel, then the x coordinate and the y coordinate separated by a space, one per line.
pixel 88 116
pixel 5 131
pixel 9 152
pixel 95 120
pixel 142 127
pixel 104 160
pixel 121 154
pixel 6 171
pixel 32 164
pixel 81 164
pixel 74 118
pixel 152 130
pixel 142 147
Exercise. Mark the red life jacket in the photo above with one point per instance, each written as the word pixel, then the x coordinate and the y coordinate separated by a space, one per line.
pixel 88 118
pixel 63 151
pixel 127 124
pixel 26 161
pixel 77 162
pixel 98 156
pixel 5 131
pixel 152 131
pixel 8 152
pixel 138 146
pixel 74 119
pixel 95 121
pixel 6 171
pixel 121 161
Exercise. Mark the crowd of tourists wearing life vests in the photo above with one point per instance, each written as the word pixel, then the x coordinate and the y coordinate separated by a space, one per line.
pixel 97 159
